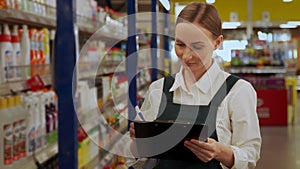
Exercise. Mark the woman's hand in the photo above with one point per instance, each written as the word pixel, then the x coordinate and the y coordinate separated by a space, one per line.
pixel 131 130
pixel 206 151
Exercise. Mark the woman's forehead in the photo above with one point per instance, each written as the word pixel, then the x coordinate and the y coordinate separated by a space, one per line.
pixel 190 33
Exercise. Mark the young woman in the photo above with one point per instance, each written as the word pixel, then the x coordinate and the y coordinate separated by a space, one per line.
pixel 235 141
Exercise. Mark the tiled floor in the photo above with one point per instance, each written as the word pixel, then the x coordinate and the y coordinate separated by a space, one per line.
pixel 281 146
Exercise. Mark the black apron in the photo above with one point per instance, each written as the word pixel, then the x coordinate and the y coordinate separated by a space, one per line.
pixel 204 114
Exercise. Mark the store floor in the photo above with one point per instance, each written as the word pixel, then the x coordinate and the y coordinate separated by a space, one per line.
pixel 281 146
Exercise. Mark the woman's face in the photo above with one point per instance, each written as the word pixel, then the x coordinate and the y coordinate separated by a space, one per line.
pixel 194 46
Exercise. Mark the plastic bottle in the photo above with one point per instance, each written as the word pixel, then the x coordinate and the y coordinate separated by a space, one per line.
pixel 33 51
pixel 49 120
pixel 16 54
pixel 53 111
pixel 25 51
pixel 6 136
pixel 22 126
pixel 37 122
pixel 6 53
pixel 46 45
pixel 11 106
pixel 42 98
pixel 30 130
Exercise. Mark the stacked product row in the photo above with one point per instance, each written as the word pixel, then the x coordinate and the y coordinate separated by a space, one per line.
pixel 24 52
pixel 28 124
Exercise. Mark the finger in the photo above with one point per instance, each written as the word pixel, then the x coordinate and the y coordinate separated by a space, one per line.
pixel 196 147
pixel 200 155
pixel 202 145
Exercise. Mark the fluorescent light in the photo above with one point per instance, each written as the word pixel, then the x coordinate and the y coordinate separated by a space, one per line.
pixel 210 1
pixel 287 0
pixel 165 4
pixel 287 26
pixel 230 25
pixel 293 22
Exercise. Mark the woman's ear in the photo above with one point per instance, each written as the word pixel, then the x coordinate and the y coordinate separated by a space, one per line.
pixel 219 40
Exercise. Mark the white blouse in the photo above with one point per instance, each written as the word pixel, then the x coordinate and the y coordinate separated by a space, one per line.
pixel 237 122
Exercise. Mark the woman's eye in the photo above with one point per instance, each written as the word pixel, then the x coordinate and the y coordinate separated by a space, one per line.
pixel 197 47
pixel 180 44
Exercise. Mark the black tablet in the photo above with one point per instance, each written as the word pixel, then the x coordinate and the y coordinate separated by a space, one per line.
pixel 165 140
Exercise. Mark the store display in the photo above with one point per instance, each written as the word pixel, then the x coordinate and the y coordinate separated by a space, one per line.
pixel 6 135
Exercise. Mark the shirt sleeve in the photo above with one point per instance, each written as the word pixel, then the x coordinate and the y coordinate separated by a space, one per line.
pixel 246 138
pixel 150 106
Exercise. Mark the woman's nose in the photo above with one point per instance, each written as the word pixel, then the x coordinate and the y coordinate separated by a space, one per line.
pixel 187 54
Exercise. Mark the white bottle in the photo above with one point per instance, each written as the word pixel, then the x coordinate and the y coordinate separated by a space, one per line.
pixel 25 51
pixel 30 123
pixel 22 128
pixel 37 122
pixel 42 116
pixel 11 106
pixel 6 54
pixel 6 136
pixel 16 54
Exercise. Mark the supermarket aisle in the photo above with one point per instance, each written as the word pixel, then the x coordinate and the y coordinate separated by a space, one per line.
pixel 281 146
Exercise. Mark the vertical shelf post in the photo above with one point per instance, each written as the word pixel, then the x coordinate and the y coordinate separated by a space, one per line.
pixel 131 59
pixel 154 40
pixel 64 64
pixel 167 41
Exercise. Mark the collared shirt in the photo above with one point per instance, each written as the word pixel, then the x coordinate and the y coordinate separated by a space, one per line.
pixel 237 122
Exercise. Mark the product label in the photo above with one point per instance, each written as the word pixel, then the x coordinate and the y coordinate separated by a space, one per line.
pixel 31 138
pixel 18 63
pixel 39 137
pixel 7 146
pixel 8 63
pixel 22 141
pixel 16 136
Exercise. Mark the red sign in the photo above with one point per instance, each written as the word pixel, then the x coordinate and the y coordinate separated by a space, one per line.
pixel 272 107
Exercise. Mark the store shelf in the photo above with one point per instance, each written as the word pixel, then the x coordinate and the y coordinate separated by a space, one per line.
pixel 46 153
pixel 27 164
pixel 21 17
pixel 254 70
pixel 21 85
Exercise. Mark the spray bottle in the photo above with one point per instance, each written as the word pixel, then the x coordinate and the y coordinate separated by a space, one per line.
pixel 16 55
pixel 6 54
pixel 25 51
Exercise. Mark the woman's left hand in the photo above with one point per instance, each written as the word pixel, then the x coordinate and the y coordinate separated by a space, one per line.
pixel 205 151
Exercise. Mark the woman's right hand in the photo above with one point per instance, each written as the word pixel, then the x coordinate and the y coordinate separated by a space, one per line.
pixel 131 130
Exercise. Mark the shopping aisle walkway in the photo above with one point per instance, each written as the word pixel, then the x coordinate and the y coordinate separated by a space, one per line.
pixel 281 146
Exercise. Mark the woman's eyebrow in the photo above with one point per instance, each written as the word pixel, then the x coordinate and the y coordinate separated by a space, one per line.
pixel 178 40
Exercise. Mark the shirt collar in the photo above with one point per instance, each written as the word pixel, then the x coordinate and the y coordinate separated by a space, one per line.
pixel 204 83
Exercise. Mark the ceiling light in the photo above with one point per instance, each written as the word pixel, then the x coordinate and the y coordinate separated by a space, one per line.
pixel 287 0
pixel 210 1
pixel 287 26
pixel 165 4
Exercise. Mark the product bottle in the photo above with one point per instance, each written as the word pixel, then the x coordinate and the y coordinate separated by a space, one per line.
pixel 23 127
pixel 42 116
pixel 46 42
pixel 25 51
pixel 49 120
pixel 11 105
pixel 33 50
pixel 6 54
pixel 30 121
pixel 16 54
pixel 38 127
pixel 6 136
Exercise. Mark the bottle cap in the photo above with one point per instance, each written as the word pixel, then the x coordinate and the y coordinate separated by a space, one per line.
pixel 3 103
pixel 18 100
pixel 10 101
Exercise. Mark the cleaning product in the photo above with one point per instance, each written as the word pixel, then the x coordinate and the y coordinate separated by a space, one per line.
pixel 25 51
pixel 49 120
pixel 46 45
pixel 33 51
pixel 6 54
pixel 6 136
pixel 38 127
pixel 22 127
pixel 30 123
pixel 42 116
pixel 16 54
pixel 15 127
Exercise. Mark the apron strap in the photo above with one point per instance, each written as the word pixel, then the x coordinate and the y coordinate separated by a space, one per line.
pixel 168 82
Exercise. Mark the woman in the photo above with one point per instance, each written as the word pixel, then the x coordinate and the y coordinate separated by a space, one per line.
pixel 235 141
